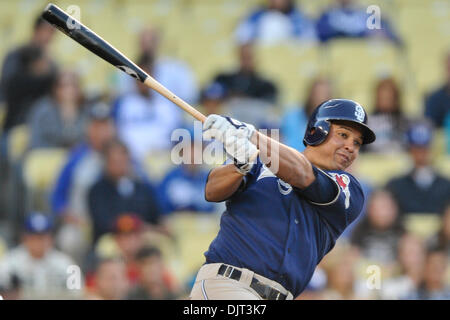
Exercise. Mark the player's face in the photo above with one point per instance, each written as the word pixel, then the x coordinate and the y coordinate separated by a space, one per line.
pixel 342 145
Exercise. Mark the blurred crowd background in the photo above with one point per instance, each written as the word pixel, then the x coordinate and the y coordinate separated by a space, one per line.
pixel 86 176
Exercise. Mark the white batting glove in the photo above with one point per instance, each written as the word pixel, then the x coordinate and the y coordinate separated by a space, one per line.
pixel 241 150
pixel 235 137
pixel 216 126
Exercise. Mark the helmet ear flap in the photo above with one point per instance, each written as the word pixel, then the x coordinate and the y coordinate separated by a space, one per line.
pixel 317 133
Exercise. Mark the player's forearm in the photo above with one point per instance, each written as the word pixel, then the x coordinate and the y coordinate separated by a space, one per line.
pixel 293 167
pixel 222 183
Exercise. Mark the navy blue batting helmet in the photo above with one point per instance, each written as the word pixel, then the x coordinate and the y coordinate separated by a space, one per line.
pixel 336 109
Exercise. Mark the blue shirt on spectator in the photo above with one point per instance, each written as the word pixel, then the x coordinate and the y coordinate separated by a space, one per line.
pixel 82 169
pixel 183 190
pixel 108 199
pixel 291 25
pixel 437 105
pixel 293 127
pixel 350 22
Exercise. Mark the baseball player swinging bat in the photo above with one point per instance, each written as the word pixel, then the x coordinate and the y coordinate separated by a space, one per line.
pixel 94 43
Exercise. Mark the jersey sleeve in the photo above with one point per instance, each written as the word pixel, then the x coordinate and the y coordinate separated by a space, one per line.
pixel 323 190
pixel 346 207
pixel 337 197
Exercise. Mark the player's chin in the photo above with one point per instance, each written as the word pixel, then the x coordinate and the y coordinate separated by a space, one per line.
pixel 343 164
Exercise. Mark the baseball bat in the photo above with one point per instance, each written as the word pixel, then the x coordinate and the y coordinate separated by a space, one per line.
pixel 94 43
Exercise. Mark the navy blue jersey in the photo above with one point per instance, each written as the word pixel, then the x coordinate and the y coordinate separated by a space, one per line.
pixel 277 231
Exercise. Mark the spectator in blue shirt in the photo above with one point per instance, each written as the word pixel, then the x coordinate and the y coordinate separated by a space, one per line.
pixel 276 22
pixel 184 187
pixel 144 119
pixel 422 190
pixel 69 196
pixel 437 104
pixel 347 20
pixel 121 190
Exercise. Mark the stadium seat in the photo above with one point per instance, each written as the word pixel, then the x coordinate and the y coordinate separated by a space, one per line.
pixel 41 166
pixel 438 147
pixel 40 169
pixel 379 168
pixel 193 234
pixel 106 248
pixel 157 164
pixel 357 64
pixel 3 247
pixel 291 67
pixel 17 143
pixel 429 39
pixel 423 225
pixel 442 164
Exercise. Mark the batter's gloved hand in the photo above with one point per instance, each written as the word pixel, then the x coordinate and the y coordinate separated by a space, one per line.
pixel 241 150
pixel 216 126
pixel 235 138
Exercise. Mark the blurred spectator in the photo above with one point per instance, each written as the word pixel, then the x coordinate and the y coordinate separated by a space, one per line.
pixel 120 190
pixel 278 21
pixel 125 239
pixel 246 81
pixel 154 281
pixel 248 96
pixel 447 132
pixel 387 119
pixel 433 285
pixel 340 283
pixel 377 235
pixel 110 280
pixel 3 245
pixel 293 125
pixel 437 104
pixel 41 270
pixel 174 74
pixel 184 186
pixel 13 290
pixel 57 120
pixel 442 238
pixel 27 74
pixel 69 196
pixel 340 274
pixel 422 190
pixel 348 20
pixel 367 190
pixel 212 97
pixel 144 121
pixel 408 274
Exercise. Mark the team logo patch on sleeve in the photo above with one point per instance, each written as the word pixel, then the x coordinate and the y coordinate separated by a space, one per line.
pixel 343 181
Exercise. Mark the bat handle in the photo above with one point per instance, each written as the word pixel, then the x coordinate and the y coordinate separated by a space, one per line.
pixel 155 85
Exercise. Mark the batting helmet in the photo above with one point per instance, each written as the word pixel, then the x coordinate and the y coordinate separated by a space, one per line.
pixel 336 109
